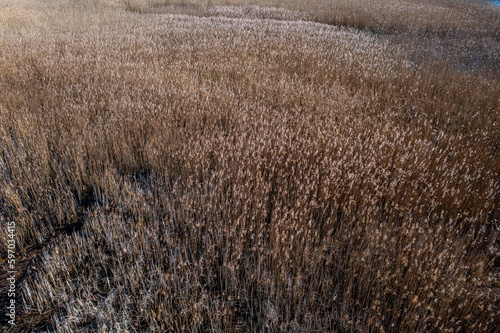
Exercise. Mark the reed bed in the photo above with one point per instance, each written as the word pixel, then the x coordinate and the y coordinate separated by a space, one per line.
pixel 208 167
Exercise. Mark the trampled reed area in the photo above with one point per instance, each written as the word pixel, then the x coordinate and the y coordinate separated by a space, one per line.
pixel 234 167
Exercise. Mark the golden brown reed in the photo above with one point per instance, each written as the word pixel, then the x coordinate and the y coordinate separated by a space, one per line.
pixel 249 169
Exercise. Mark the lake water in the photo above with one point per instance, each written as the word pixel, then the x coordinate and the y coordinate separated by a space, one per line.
pixel 496 3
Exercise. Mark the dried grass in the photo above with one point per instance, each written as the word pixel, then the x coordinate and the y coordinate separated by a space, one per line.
pixel 251 169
